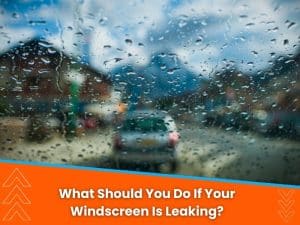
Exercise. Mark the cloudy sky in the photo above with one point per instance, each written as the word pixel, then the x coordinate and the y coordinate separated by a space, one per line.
pixel 206 35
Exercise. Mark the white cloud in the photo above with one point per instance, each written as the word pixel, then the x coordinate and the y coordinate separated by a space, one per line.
pixel 244 27
pixel 109 23
pixel 200 59
pixel 9 37
pixel 106 50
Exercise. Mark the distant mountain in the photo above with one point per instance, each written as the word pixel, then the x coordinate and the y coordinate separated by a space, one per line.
pixel 164 76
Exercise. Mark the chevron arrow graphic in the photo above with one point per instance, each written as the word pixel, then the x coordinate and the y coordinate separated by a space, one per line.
pixel 16 198
pixel 16 194
pixel 16 177
pixel 286 215
pixel 16 211
pixel 286 202
pixel 286 194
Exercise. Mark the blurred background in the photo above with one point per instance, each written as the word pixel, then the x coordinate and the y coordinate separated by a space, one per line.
pixel 227 72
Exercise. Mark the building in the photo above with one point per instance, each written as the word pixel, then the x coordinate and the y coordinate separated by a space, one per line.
pixel 36 77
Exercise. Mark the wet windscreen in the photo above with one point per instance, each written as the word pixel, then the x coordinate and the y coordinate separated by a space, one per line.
pixel 225 75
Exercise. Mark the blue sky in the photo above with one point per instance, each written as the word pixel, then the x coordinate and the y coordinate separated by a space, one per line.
pixel 206 35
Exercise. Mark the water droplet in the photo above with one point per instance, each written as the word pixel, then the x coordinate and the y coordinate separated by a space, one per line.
pixel 286 41
pixel 118 59
pixel 172 70
pixel 103 20
pixel 199 39
pixel 45 60
pixel 182 23
pixel 36 22
pixel 15 15
pixel 45 44
pixel 289 61
pixel 289 24
pixel 128 41
pixel 163 67
pixel 250 24
pixel 51 51
pixel 79 33
pixel 107 46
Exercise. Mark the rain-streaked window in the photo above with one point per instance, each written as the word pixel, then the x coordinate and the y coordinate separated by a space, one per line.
pixel 204 88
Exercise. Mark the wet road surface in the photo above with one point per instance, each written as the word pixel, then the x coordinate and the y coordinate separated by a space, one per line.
pixel 209 152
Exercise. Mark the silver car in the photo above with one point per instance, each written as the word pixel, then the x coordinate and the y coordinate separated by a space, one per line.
pixel 146 136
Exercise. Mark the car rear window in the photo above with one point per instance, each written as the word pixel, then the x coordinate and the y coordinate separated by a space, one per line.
pixel 144 125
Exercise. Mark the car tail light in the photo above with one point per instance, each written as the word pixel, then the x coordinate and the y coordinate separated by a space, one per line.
pixel 173 139
pixel 90 123
pixel 118 142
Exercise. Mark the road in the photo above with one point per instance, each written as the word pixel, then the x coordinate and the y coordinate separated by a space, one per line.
pixel 209 152
pixel 214 152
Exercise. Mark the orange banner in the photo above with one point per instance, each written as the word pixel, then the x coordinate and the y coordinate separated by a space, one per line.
pixel 37 194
